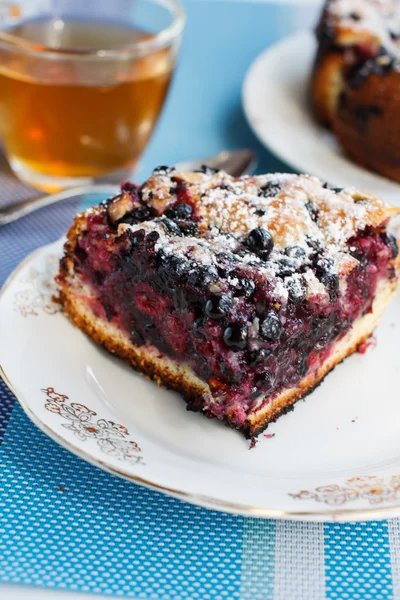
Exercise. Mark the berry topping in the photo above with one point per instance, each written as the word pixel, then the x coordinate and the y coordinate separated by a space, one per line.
pixel 312 209
pixel 270 190
pixel 391 241
pixel 271 327
pixel 245 287
pixel 286 267
pixel 180 212
pixel 257 357
pixel 163 170
pixel 171 227
pixel 235 337
pixel 173 267
pixel 197 324
pixel 260 241
pixel 297 289
pixel 218 306
pixel 263 381
pixel 296 252
pixel 136 237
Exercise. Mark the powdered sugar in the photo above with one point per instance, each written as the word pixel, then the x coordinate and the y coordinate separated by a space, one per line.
pixel 310 225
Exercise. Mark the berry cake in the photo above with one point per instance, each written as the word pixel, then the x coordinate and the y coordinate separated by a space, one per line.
pixel 355 85
pixel 239 293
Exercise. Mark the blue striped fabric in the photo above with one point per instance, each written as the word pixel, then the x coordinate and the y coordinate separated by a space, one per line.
pixel 65 524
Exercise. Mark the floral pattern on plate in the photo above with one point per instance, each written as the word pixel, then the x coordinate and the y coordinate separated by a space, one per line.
pixel 112 439
pixel 371 488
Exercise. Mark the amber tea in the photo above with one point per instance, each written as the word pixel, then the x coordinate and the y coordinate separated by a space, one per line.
pixel 68 117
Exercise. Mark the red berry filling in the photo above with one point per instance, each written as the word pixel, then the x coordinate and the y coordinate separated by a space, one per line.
pixel 223 322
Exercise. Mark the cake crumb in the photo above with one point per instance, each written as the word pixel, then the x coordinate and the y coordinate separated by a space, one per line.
pixel 370 343
pixel 269 435
pixel 253 443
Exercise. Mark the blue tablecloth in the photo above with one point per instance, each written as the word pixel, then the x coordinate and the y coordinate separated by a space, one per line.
pixel 64 523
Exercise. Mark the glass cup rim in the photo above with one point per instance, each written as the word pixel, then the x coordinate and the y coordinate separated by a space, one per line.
pixel 161 40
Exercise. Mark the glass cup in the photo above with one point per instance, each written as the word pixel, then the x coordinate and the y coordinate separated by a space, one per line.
pixel 82 84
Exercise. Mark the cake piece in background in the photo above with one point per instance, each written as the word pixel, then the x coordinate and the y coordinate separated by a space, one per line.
pixel 355 86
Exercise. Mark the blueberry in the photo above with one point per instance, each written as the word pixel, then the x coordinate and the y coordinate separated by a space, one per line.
pixel 202 276
pixel 391 242
pixel 257 357
pixel 286 267
pixel 233 376
pixel 297 290
pixel 260 239
pixel 173 267
pixel 329 280
pixel 271 327
pixel 196 326
pixel 295 252
pixel 171 227
pixel 312 209
pixel 136 237
pixel 269 190
pixel 301 365
pixel 263 381
pixel 181 211
pixel 245 287
pixel 217 307
pixel 235 337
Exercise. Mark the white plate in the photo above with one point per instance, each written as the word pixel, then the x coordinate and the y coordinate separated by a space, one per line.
pixel 335 457
pixel 275 99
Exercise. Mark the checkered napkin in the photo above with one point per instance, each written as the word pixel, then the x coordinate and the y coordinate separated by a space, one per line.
pixel 65 524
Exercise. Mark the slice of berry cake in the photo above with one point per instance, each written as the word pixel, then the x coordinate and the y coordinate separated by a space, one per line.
pixel 241 294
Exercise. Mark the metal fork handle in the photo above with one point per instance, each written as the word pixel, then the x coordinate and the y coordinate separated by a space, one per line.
pixel 13 212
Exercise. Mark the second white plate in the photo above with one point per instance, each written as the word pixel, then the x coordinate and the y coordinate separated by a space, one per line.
pixel 275 99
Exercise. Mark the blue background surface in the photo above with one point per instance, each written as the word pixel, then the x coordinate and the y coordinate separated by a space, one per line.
pixel 65 524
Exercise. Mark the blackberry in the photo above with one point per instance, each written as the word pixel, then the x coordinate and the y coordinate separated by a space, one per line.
pixel 235 336
pixel 271 327
pixel 217 307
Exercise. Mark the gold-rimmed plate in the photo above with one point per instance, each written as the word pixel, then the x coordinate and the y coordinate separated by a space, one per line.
pixel 336 457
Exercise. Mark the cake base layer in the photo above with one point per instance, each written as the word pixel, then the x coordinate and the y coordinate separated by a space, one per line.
pixel 177 376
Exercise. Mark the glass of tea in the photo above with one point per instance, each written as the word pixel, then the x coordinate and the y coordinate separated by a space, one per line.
pixel 82 84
